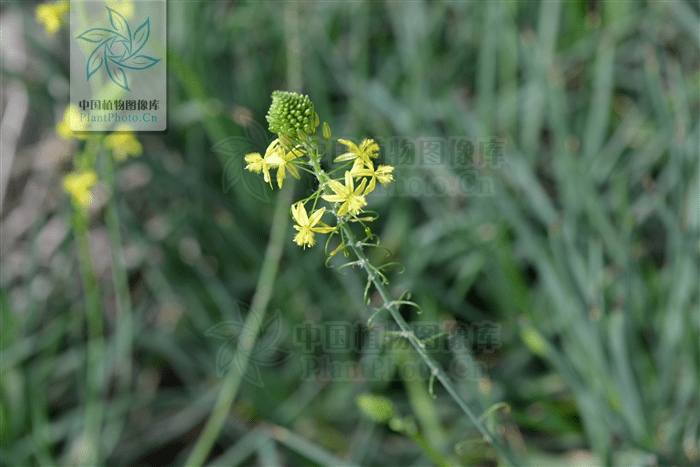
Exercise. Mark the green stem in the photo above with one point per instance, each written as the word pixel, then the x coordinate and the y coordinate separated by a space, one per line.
pixel 124 330
pixel 253 322
pixel 95 344
pixel 424 409
pixel 435 369
pixel 93 316
pixel 436 457
pixel 268 272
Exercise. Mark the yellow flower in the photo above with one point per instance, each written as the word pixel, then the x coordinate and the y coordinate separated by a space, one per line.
pixel 275 158
pixel 367 151
pixel 122 142
pixel 72 115
pixel 257 164
pixel 52 15
pixel 124 8
pixel 306 225
pixel 381 173
pixel 78 184
pixel 353 200
pixel 286 164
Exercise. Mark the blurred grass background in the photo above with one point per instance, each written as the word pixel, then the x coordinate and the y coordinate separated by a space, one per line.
pixel 587 253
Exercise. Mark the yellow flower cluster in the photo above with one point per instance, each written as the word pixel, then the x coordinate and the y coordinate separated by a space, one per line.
pixel 52 15
pixel 350 198
pixel 123 143
pixel 78 185
pixel 353 199
pixel 293 118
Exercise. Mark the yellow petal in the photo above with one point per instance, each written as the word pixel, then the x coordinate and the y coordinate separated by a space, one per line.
pixel 371 186
pixel 349 184
pixel 280 176
pixel 299 215
pixel 343 209
pixel 351 146
pixel 337 187
pixel 348 156
pixel 360 188
pixel 316 216
pixel 323 228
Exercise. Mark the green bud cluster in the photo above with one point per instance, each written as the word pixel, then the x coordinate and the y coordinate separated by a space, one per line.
pixel 291 114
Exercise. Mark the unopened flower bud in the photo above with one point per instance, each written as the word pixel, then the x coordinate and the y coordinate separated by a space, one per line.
pixel 291 114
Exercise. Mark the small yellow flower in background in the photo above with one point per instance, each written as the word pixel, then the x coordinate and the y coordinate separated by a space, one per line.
pixel 71 115
pixel 123 143
pixel 52 15
pixel 367 151
pixel 352 198
pixel 78 185
pixel 124 8
pixel 306 225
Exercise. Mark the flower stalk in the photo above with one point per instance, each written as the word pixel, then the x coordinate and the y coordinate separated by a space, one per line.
pixel 93 415
pixel 293 118
pixel 393 307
